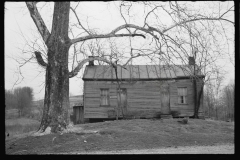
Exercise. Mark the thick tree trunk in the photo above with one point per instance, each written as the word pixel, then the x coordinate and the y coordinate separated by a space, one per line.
pixel 118 94
pixel 199 99
pixel 195 98
pixel 56 101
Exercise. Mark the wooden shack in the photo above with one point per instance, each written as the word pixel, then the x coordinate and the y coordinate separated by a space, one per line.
pixel 140 91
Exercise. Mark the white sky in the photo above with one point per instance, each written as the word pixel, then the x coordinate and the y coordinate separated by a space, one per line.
pixel 18 22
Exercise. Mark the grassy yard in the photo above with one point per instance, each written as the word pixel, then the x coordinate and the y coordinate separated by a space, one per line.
pixel 16 127
pixel 126 135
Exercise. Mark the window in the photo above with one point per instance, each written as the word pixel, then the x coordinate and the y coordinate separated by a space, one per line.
pixel 104 97
pixel 182 95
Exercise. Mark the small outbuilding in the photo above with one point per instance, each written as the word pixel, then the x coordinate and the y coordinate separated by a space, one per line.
pixel 78 117
pixel 140 91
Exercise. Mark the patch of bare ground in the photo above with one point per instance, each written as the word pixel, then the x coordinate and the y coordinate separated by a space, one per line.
pixel 122 135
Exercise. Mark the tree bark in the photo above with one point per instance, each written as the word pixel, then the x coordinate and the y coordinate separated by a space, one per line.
pixel 199 99
pixel 195 98
pixel 119 105
pixel 56 101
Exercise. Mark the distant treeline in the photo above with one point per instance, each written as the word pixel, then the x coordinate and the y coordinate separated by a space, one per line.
pixel 20 98
pixel 220 106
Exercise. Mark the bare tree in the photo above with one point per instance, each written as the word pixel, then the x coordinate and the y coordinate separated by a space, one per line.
pixel 219 99
pixel 24 98
pixel 10 100
pixel 166 43
pixel 228 99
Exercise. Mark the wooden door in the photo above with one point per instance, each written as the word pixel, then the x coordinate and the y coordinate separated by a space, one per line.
pixel 78 115
pixel 165 99
pixel 122 100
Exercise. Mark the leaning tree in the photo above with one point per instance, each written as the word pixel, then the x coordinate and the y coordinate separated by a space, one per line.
pixel 168 42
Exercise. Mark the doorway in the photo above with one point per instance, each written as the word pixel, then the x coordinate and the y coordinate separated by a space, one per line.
pixel 122 100
pixel 165 99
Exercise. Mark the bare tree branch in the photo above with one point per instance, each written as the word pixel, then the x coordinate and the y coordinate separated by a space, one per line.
pixel 94 36
pixel 145 20
pixel 195 19
pixel 226 12
pixel 80 65
pixel 138 55
pixel 38 21
pixel 149 30
pixel 26 61
pixel 40 59
pixel 79 21
pixel 122 4
pixel 113 33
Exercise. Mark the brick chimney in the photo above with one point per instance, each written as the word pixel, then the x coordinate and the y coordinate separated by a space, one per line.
pixel 91 63
pixel 191 61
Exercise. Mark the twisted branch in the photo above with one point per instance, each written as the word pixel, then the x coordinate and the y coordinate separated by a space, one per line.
pixel 40 59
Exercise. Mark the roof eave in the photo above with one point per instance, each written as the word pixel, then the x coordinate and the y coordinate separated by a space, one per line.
pixel 141 79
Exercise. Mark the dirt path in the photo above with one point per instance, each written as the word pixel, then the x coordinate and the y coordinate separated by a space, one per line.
pixel 219 149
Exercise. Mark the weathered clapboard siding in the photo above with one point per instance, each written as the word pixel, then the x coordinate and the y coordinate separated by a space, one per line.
pixel 183 109
pixel 136 98
pixel 143 98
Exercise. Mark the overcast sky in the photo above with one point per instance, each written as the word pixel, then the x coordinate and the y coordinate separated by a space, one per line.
pixel 18 22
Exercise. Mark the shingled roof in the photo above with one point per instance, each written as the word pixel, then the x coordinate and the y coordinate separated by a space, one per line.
pixel 139 72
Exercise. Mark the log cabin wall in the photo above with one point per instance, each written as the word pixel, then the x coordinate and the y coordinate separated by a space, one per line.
pixel 143 98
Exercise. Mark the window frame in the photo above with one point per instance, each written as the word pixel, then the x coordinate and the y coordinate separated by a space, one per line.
pixel 182 99
pixel 105 96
